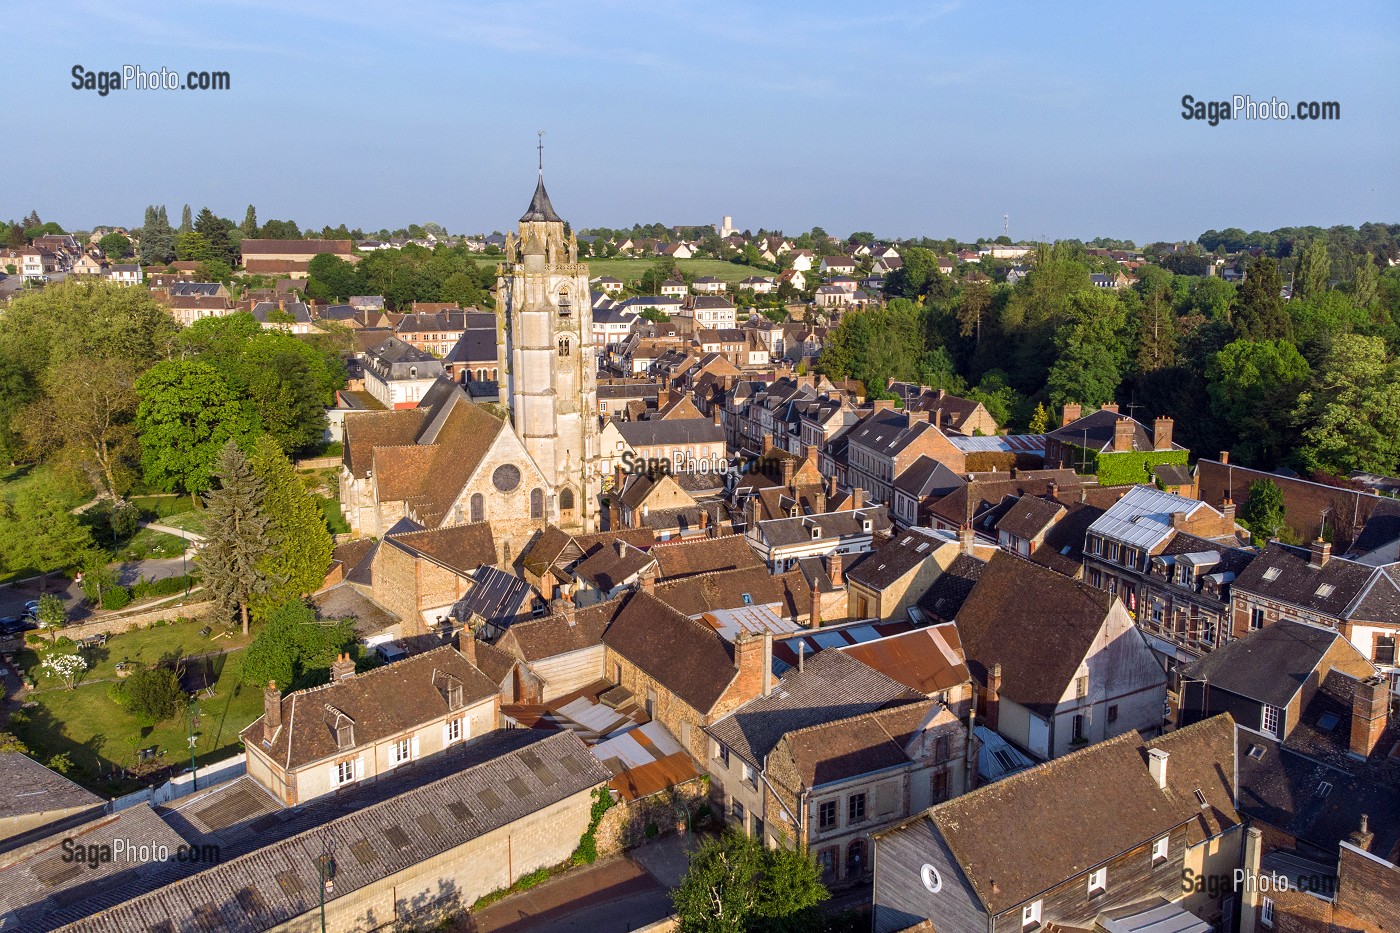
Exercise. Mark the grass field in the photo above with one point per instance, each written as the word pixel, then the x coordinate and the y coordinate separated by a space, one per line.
pixel 85 723
pixel 629 270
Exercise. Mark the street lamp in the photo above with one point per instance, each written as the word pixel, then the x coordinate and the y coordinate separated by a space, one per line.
pixel 325 870
pixel 194 716
pixel 184 572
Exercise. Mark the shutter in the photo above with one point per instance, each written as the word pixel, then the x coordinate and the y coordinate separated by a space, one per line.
pixel 466 728
pixel 360 767
pixel 413 748
pixel 885 796
pixel 335 776
pixel 446 736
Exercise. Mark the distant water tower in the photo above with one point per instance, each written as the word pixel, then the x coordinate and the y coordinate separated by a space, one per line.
pixel 727 227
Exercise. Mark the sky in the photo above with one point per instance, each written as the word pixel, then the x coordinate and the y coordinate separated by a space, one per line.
pixel 905 119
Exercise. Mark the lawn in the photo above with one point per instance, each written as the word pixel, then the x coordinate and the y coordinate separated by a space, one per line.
pixel 192 520
pixel 159 508
pixel 16 479
pixel 148 544
pixel 101 738
pixel 629 270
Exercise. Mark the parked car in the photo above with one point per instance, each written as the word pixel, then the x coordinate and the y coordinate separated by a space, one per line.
pixel 14 625
pixel 391 651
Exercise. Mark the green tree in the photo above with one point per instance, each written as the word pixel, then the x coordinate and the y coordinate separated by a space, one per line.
pixel 734 884
pixel 1364 285
pixel 299 545
pixel 115 246
pixel 1258 312
pixel 151 694
pixel 294 649
pixel 1040 421
pixel 1351 412
pixel 1092 354
pixel 1253 386
pixel 193 247
pixel 236 543
pixel 249 227
pixel 157 238
pixel 85 413
pixel 1314 271
pixel 1264 512
pixel 972 303
pixel 38 532
pixel 215 231
pixel 1156 332
pixel 52 614
pixel 186 415
pixel 186 220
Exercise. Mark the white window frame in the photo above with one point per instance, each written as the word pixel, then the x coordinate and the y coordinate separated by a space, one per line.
pixel 452 730
pixel 1270 713
pixel 1030 916
pixel 401 751
pixel 1098 881
pixel 1266 911
pixel 1161 850
pixel 345 772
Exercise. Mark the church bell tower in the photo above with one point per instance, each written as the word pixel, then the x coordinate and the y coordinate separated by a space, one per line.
pixel 548 371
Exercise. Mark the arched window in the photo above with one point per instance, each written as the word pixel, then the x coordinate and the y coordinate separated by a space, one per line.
pixel 478 507
pixel 412 371
pixel 566 499
pixel 537 503
pixel 564 346
pixel 855 858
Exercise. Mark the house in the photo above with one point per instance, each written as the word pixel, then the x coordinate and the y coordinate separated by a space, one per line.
pixel 783 542
pixel 831 296
pixel 728 598
pixel 474 357
pixel 39 801
pixel 674 288
pixel 38 263
pixel 665 304
pixel 923 481
pixel 794 277
pixel 608 570
pixel 715 313
pixel 836 265
pixel 833 752
pixel 1099 442
pixel 885 442
pixel 88 264
pixel 360 727
pixel 399 374
pixel 1059 670
pixel 1266 679
pixel 493 602
pixel 929 660
pixel 952 413
pixel 1309 585
pixel 436 331
pixel 607 284
pixel 418 574
pixel 802 260
pixel 291 257
pixel 1034 851
pixel 683 443
pixel 709 285
pixel 679 559
pixel 291 317
pixel 675 250
pixel 191 301
pixel 563 651
pixel 759 284
pixel 126 273
pixel 887 581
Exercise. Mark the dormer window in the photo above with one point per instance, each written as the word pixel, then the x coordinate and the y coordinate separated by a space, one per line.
pixel 1271 574
pixel 1030 916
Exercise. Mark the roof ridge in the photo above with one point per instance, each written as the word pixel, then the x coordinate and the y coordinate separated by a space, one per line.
pixel 889 706
pixel 1198 726
pixel 695 541
pixel 374 670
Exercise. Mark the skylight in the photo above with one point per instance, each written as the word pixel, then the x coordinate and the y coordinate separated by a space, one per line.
pixel 922 547
pixel 1328 721
pixel 1324 789
pixel 1325 590
pixel 1200 797
pixel 1271 574
pixel 1256 752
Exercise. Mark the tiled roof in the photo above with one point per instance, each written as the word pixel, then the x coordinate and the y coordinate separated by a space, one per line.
pixel 831 685
pixel 928 660
pixel 688 657
pixel 1269 665
pixel 839 524
pixel 30 788
pixel 309 248
pixel 703 555
pixel 1030 516
pixel 1357 591
pixel 730 589
pixel 365 431
pixel 862 744
pixel 1197 754
pixel 459 548
pixel 536 639
pixel 899 556
pixel 946 596
pixel 381 702
pixel 1039 642
pixel 608 566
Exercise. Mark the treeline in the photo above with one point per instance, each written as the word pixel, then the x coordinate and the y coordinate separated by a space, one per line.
pixel 1312 383
pixel 403 276
pixel 97 379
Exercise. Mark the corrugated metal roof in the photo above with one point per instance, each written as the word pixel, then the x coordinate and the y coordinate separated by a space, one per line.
pixel 1000 443
pixel 1143 517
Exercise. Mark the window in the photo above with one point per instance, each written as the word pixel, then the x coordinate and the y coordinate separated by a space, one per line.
pixel 400 751
pixel 855 858
pixel 1081 687
pixel 1160 849
pixel 564 346
pixel 453 730
pixel 566 499
pixel 826 814
pixel 1077 729
pixel 722 754
pixel 1256 618
pixel 939 786
pixel 750 775
pixel 1030 916
pixel 1270 720
pixel 537 504
pixel 478 507
pixel 855 808
pixel 1325 590
pixel 737 809
pixel 1383 649
pixel 1098 882
pixel 826 859
pixel 942 749
pixel 757 828
pixel 345 772
pixel 1271 574
pixel 1266 911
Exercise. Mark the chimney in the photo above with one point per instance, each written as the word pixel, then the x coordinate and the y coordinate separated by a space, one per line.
pixel 831 486
pixel 816 617
pixel 994 696
pixel 938 418
pixel 751 510
pixel 967 539
pixel 466 644
pixel 717 413
pixel 787 466
pixel 1123 435
pixel 1052 489
pixel 704 519
pixel 621 547
pixel 767 443
pixel 882 404
pixel 857 497
pixel 819 502
pixel 1162 434
pixel 801 653
pixel 1370 707
pixel 1319 553
pixel 647 580
pixel 917 417
pixel 1225 457
pixel 753 656
pixel 619 478
pixel 272 710
pixel 1227 511
pixel 1363 837
pixel 1253 852
pixel 614 515
pixel 1109 406
pixel 1070 413
pixel 833 568
pixel 1157 766
pixel 342 668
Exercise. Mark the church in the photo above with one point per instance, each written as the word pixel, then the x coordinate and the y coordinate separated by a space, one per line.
pixel 451 462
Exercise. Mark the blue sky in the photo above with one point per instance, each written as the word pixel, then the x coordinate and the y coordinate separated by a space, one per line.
pixel 904 119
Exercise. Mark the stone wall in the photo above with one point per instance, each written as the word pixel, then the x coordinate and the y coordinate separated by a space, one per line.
pixel 115 625
pixel 625 825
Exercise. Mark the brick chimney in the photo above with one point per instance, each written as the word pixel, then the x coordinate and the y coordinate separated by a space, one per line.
pixel 1109 406
pixel 272 710
pixel 1227 512
pixel 857 497
pixel 753 656
pixel 1319 553
pixel 1362 837
pixel 647 580
pixel 938 418
pixel 342 668
pixel 834 569
pixel 1162 434
pixel 466 644
pixel 1123 435
pixel 1225 457
pixel 917 417
pixel 882 404
pixel 767 443
pixel 1370 707
pixel 993 715
pixel 788 465
pixel 703 521
pixel 751 510
pixel 816 618
pixel 1070 413
pixel 719 411
pixel 819 502
pixel 831 486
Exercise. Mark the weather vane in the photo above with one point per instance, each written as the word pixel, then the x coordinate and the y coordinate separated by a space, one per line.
pixel 540 147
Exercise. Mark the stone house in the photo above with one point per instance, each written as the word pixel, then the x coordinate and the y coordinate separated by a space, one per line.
pixel 887 581
pixel 419 574
pixel 886 442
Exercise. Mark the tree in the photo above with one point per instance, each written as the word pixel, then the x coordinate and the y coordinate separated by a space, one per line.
pixel 1253 386
pixel 1040 421
pixel 249 227
pixel 1091 351
pixel 1314 271
pixel 975 298
pixel 294 648
pixel 299 546
pixel 1364 285
pixel 37 531
pixel 735 884
pixel 65 663
pixel 1351 412
pixel 193 247
pixel 1258 312
pixel 1264 512
pixel 157 238
pixel 186 221
pixel 332 278
pixel 1156 332
pixel 215 233
pixel 186 415
pixel 115 246
pixel 86 413
pixel 151 694
pixel 236 537
pixel 52 614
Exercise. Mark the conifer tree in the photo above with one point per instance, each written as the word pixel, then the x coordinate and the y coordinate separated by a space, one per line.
pixel 299 546
pixel 237 541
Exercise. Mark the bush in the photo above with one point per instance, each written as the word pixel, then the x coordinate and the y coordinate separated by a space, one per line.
pixel 168 586
pixel 152 695
pixel 116 597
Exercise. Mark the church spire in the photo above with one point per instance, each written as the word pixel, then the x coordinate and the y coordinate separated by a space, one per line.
pixel 540 208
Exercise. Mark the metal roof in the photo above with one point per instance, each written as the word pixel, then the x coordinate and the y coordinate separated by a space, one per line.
pixel 1143 517
pixel 1004 443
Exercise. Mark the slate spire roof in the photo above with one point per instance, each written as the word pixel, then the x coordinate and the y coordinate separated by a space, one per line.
pixel 540 208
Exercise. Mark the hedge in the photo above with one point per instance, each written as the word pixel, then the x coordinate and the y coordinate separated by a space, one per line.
pixel 1127 468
